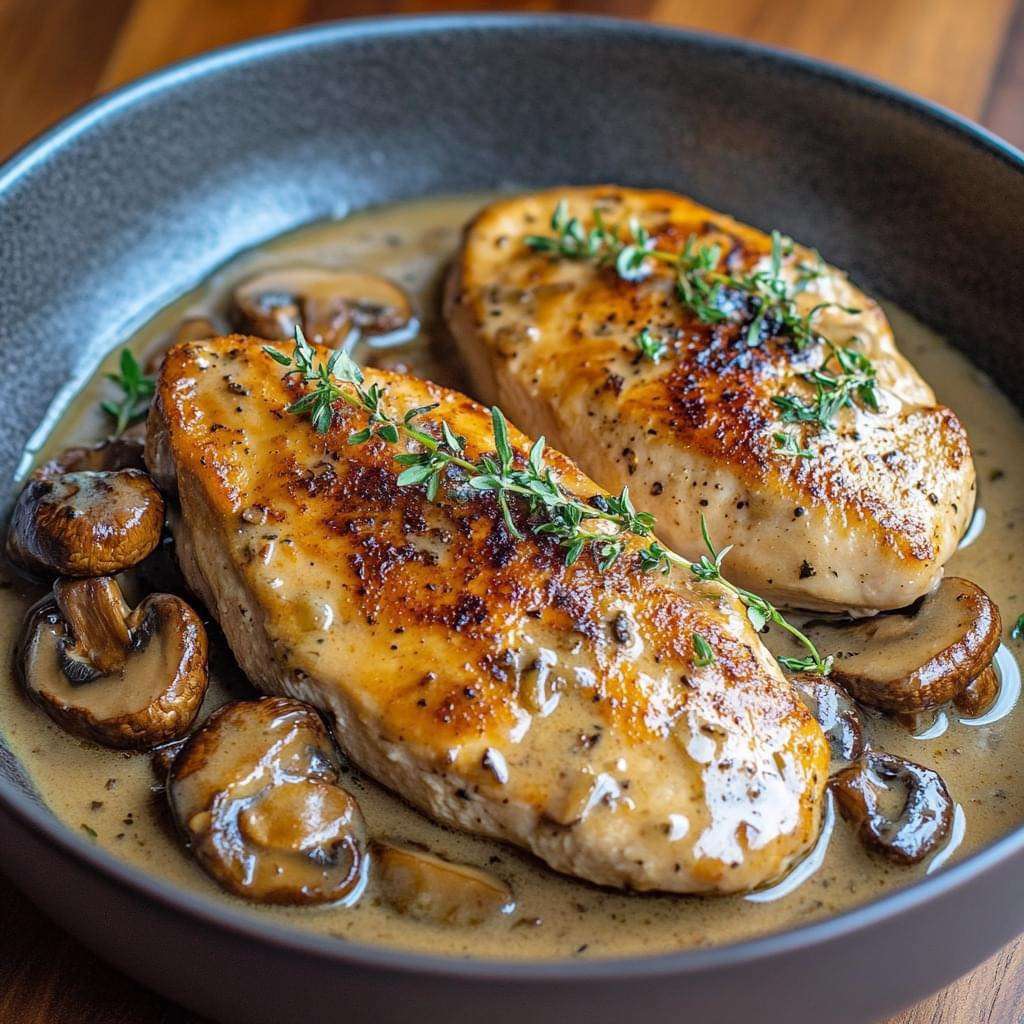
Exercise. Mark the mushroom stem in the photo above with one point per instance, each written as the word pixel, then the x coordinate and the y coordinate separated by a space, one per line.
pixel 130 679
pixel 979 694
pixel 97 615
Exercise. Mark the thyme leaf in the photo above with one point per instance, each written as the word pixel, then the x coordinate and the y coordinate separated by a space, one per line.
pixel 853 380
pixel 787 443
pixel 650 346
pixel 762 301
pixel 136 392
pixel 703 655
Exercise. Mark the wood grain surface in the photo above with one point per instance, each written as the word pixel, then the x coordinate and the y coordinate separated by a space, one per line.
pixel 56 54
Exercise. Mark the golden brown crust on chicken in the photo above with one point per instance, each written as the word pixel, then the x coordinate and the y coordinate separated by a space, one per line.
pixel 502 692
pixel 865 524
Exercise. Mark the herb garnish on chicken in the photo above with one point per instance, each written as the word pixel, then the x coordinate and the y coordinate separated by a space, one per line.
pixel 603 522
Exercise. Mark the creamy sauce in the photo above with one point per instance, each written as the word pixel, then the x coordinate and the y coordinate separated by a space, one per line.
pixel 113 797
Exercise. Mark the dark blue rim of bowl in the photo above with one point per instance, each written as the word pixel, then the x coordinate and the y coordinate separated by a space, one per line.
pixel 224 917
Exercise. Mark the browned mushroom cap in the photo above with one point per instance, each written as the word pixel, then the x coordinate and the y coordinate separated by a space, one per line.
pixel 918 658
pixel 255 790
pixel 129 679
pixel 836 713
pixel 908 832
pixel 113 454
pixel 427 888
pixel 85 524
pixel 326 304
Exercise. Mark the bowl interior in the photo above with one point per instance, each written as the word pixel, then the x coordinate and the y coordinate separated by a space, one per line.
pixel 132 202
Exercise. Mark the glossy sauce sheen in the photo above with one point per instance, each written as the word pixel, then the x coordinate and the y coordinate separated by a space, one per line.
pixel 111 794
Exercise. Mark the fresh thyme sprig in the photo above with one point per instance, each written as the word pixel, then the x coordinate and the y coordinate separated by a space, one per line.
pixel 601 244
pixel 319 402
pixel 855 379
pixel 605 523
pixel 762 299
pixel 554 513
pixel 774 298
pixel 136 391
pixel 759 611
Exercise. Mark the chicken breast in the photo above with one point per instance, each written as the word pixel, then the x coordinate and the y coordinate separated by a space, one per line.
pixel 862 519
pixel 559 708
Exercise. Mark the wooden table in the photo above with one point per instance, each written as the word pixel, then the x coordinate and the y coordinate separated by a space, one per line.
pixel 966 54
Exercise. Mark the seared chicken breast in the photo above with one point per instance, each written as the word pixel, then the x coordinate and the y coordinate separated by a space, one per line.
pixel 561 708
pixel 859 516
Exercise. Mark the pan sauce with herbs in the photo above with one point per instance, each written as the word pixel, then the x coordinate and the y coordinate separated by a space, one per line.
pixel 518 907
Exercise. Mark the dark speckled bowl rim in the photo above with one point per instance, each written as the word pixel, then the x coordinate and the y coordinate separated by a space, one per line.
pixel 246 925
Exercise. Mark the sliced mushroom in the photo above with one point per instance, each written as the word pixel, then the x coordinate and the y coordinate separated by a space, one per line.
pixel 908 832
pixel 836 713
pixel 255 791
pixel 918 658
pixel 327 304
pixel 979 694
pixel 108 456
pixel 128 679
pixel 85 523
pixel 428 888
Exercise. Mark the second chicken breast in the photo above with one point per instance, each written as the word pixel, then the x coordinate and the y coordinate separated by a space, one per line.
pixel 716 369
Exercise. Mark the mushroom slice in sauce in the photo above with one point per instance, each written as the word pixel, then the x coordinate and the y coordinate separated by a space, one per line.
pixel 836 713
pixel 85 523
pixel 427 888
pixel 918 658
pixel 108 456
pixel 979 694
pixel 162 758
pixel 917 723
pixel 128 679
pixel 909 833
pixel 327 304
pixel 255 791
